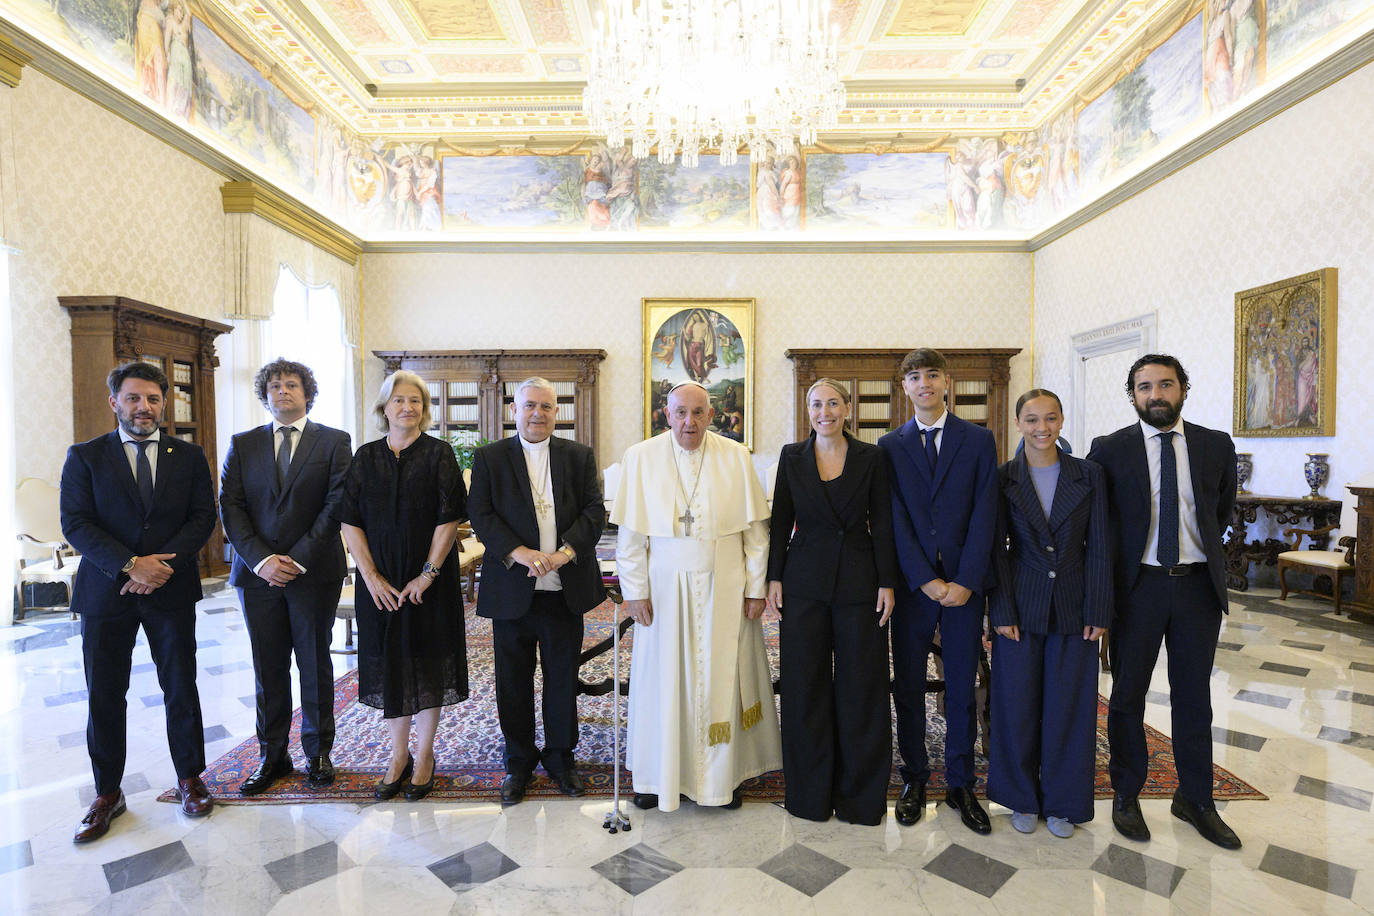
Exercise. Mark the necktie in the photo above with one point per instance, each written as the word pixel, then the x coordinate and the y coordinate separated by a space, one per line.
pixel 1167 552
pixel 284 455
pixel 144 476
pixel 932 456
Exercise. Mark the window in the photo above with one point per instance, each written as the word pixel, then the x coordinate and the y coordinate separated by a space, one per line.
pixel 308 327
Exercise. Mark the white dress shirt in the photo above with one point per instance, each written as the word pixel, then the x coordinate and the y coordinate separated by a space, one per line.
pixel 938 426
pixel 1190 549
pixel 131 451
pixel 299 427
pixel 541 488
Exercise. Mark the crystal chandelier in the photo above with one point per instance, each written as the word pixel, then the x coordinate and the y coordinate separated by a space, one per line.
pixel 688 75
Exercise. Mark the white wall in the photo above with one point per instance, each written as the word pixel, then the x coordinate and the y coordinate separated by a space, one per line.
pixel 1293 195
pixel 472 301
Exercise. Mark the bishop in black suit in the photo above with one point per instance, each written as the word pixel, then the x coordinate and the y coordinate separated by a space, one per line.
pixel 1170 490
pixel 139 506
pixel 536 504
pixel 280 482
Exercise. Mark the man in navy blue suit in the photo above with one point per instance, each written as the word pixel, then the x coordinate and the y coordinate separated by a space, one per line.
pixel 1171 486
pixel 139 506
pixel 944 515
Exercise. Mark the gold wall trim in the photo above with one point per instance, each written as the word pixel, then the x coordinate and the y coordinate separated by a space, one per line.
pixel 13 60
pixel 251 197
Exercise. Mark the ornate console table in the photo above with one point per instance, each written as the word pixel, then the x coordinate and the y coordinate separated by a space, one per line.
pixel 1287 511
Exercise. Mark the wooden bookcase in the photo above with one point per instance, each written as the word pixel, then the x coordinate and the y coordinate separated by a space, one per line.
pixel 108 331
pixel 471 390
pixel 977 388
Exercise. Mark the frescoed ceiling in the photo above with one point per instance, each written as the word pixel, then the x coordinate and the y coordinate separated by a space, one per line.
pixel 487 67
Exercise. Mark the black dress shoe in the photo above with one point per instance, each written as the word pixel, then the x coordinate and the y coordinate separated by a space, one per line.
pixel 736 799
pixel 645 800
pixel 386 790
pixel 1207 822
pixel 513 788
pixel 570 783
pixel 911 804
pixel 970 812
pixel 319 771
pixel 1127 819
pixel 414 791
pixel 268 772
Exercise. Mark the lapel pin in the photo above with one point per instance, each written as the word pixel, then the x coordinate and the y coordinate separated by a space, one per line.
pixel 169 450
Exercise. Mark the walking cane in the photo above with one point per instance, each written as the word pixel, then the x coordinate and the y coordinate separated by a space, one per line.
pixel 616 820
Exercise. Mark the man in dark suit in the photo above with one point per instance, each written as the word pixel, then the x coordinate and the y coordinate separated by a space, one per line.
pixel 536 504
pixel 139 506
pixel 1171 486
pixel 944 513
pixel 279 483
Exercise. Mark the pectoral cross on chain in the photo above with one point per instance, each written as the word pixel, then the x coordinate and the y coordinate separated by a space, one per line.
pixel 686 518
pixel 541 506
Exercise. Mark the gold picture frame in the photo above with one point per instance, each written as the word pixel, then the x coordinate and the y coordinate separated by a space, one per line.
pixel 1285 358
pixel 710 341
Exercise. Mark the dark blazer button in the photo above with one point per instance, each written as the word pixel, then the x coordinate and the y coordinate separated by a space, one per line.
pixel 146 526
pixel 1051 574
pixel 932 532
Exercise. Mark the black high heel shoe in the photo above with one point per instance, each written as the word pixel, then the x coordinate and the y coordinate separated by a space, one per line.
pixel 387 790
pixel 415 791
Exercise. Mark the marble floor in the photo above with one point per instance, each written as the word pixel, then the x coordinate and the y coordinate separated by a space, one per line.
pixel 1293 691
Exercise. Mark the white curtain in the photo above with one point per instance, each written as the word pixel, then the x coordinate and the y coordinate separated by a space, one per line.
pixel 308 326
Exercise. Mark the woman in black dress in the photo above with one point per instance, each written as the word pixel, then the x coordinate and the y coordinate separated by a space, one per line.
pixel 832 582
pixel 400 508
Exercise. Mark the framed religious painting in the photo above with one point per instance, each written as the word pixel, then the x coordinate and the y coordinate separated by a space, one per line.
pixel 1285 362
pixel 709 341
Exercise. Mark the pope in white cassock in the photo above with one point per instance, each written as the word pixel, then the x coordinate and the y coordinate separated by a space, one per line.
pixel 692 558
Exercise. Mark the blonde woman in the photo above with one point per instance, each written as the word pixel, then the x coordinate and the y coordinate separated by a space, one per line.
pixel 402 502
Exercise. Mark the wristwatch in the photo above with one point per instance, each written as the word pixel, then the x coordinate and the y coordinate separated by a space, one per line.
pixel 568 552
pixel 430 571
pixel 128 567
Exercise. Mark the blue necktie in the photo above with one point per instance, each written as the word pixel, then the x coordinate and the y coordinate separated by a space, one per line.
pixel 145 475
pixel 1167 552
pixel 932 456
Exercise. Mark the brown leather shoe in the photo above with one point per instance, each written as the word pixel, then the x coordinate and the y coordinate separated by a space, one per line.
pixel 96 823
pixel 194 797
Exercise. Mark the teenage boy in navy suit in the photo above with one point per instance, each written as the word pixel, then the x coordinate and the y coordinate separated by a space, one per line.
pixel 944 514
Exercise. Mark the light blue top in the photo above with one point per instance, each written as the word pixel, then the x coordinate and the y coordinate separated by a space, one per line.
pixel 1045 480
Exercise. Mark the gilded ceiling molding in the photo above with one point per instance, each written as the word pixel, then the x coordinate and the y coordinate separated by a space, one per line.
pixel 880 147
pixel 13 60
pixel 251 197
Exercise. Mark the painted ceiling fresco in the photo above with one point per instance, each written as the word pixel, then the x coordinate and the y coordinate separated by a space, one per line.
pixel 420 118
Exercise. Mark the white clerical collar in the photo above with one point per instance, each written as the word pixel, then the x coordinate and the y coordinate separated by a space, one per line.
pixel 938 424
pixel 690 454
pixel 125 437
pixel 298 426
pixel 541 446
pixel 1149 430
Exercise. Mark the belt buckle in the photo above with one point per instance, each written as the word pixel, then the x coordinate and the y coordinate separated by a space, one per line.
pixel 1182 569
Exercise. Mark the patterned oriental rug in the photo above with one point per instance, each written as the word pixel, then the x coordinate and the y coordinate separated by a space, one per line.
pixel 469 745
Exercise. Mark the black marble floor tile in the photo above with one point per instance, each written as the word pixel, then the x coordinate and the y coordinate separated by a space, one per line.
pixel 143 668
pixel 15 856
pixel 221 609
pixel 1237 739
pixel 252 701
pixel 1359 799
pixel 1157 697
pixel 232 666
pixel 475 865
pixel 133 784
pixel 1309 646
pixel 1252 627
pixel 206 643
pixel 637 869
pixel 140 868
pixel 1309 870
pixel 72 739
pixel 152 700
pixel 62 699
pixel 46 640
pixel 217 733
pixel 1348 738
pixel 804 869
pixel 1364 699
pixel 1263 699
pixel 1139 870
pixel 1230 646
pixel 1362 666
pixel 973 870
pixel 1294 670
pixel 304 868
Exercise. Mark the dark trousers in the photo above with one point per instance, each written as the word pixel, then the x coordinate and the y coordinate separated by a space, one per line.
pixel 107 645
pixel 1044 721
pixel 557 633
pixel 913 626
pixel 836 733
pixel 297 619
pixel 1181 612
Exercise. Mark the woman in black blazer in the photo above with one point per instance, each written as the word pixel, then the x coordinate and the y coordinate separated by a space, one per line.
pixel 832 581
pixel 1052 603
